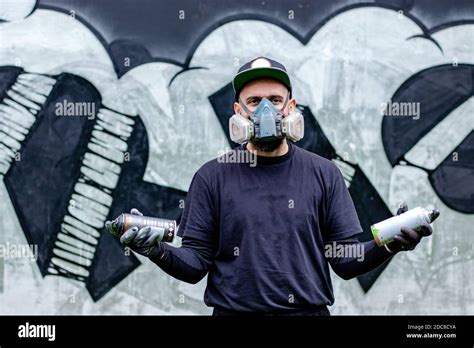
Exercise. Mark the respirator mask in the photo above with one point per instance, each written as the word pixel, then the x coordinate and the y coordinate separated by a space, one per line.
pixel 266 127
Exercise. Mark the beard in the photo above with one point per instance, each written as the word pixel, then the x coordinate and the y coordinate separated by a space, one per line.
pixel 267 145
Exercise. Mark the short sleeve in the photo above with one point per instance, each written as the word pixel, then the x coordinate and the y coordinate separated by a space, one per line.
pixel 341 217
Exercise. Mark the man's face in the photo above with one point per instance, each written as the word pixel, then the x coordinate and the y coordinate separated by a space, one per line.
pixel 256 90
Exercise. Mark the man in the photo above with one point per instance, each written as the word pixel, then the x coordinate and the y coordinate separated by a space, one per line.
pixel 261 232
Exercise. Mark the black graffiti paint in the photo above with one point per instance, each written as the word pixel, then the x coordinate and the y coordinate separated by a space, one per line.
pixel 439 90
pixel 369 205
pixel 42 183
pixel 165 36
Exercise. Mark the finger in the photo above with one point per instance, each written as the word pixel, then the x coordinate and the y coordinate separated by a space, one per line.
pixel 135 211
pixel 426 230
pixel 410 235
pixel 129 235
pixel 403 207
pixel 403 242
pixel 155 235
pixel 142 236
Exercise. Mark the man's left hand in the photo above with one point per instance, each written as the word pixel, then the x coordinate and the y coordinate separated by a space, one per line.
pixel 409 238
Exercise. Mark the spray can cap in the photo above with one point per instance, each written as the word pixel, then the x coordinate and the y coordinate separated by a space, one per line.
pixel 112 227
pixel 433 215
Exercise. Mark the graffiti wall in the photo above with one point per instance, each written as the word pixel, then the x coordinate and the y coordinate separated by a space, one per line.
pixel 108 105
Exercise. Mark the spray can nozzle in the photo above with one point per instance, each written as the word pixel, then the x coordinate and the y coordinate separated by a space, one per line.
pixel 434 214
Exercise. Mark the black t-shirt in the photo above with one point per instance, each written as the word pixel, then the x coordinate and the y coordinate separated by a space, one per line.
pixel 261 229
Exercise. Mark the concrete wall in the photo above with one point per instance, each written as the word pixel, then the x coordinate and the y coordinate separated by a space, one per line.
pixel 158 79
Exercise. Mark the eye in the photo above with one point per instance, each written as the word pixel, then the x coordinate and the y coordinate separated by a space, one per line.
pixel 253 102
pixel 275 100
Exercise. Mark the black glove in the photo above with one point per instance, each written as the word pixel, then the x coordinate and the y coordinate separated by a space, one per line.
pixel 143 241
pixel 410 238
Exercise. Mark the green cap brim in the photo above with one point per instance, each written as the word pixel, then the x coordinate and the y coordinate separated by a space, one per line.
pixel 244 77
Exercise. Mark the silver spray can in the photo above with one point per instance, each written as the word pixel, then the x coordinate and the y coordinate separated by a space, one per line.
pixel 384 231
pixel 125 221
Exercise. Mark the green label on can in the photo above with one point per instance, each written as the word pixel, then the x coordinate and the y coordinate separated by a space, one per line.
pixel 375 233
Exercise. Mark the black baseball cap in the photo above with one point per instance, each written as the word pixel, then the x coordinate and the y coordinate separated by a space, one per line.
pixel 260 67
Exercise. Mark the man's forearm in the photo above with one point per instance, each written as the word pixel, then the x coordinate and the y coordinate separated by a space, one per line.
pixel 185 263
pixel 350 266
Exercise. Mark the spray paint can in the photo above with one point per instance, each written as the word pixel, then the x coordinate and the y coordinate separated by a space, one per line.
pixel 126 221
pixel 384 231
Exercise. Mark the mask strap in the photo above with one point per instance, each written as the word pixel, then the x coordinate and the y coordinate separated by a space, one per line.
pixel 286 102
pixel 249 113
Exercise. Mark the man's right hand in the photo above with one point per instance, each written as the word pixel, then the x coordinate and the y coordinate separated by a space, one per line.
pixel 144 241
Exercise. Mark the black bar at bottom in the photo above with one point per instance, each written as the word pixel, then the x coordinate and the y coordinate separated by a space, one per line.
pixel 165 330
